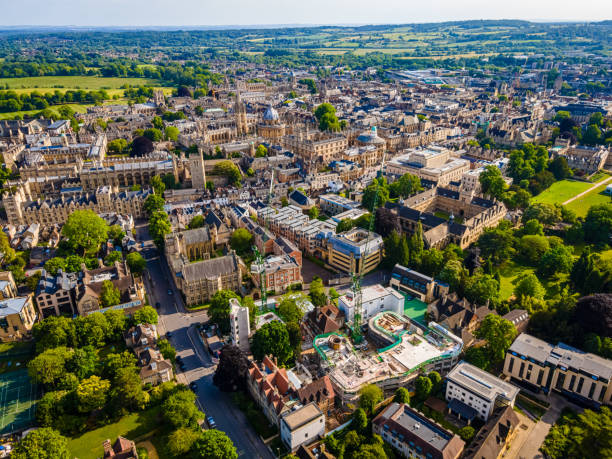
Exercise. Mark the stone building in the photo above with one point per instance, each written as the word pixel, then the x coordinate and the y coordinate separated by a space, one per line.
pixel 17 316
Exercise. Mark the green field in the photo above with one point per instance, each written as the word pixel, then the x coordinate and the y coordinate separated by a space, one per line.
pixel 413 308
pixel 79 108
pixel 582 205
pixel 132 426
pixel 65 83
pixel 561 191
pixel 17 401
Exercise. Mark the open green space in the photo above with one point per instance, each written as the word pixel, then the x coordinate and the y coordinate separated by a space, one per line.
pixel 597 196
pixel 132 426
pixel 65 83
pixel 508 278
pixel 17 401
pixel 561 191
pixel 79 108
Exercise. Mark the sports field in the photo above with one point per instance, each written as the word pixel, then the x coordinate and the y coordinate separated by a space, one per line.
pixel 415 309
pixel 561 191
pixel 17 401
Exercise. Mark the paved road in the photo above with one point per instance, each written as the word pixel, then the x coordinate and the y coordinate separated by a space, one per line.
pixel 198 364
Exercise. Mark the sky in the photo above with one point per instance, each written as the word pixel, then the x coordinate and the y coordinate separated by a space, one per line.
pixel 287 12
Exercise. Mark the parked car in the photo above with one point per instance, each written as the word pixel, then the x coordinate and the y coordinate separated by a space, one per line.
pixel 211 422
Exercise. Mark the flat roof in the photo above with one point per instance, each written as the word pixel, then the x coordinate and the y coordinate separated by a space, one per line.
pixel 481 382
pixel 301 416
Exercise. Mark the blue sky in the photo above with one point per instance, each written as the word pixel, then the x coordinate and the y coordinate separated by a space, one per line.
pixel 252 12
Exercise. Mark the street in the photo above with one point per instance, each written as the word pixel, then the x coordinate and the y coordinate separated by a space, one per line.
pixel 199 368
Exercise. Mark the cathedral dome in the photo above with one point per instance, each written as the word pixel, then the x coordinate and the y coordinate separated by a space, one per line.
pixel 271 114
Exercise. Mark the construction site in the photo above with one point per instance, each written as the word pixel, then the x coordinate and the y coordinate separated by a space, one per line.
pixel 394 351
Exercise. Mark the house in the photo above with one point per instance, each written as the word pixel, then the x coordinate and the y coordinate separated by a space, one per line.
pixel 154 369
pixel 121 449
pixel 302 426
pixel 474 393
pixel 297 198
pixel 271 388
pixel 141 335
pixel 495 436
pixel 326 319
pixel 458 315
pixel 8 288
pixel 415 435
pixel 319 391
pixel 17 316
pixel 56 295
pixel 519 318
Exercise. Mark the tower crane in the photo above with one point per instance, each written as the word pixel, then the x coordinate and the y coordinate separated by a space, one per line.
pixel 357 277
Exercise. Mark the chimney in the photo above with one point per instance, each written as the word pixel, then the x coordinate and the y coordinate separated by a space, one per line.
pixel 108 449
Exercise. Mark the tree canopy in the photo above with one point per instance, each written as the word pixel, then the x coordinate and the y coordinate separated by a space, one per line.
pixel 85 231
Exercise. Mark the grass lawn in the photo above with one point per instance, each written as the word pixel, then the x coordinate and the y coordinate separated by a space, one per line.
pixel 132 426
pixel 508 274
pixel 581 206
pixel 64 83
pixel 561 191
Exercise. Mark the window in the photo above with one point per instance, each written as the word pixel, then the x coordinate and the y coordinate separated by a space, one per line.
pixel 511 365
pixel 580 383
pixel 592 390
pixel 522 369
pixel 572 381
pixel 540 376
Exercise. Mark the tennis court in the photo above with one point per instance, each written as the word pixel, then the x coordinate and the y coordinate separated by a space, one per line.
pixel 17 401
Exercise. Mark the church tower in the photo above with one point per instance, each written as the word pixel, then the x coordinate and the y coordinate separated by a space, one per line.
pixel 241 118
pixel 197 170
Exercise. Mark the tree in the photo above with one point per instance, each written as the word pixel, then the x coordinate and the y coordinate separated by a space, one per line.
pixel 547 214
pixel 117 146
pixel 113 257
pixel 43 443
pixel 401 395
pixel 284 201
pixel 272 339
pixel 261 151
pixel 49 366
pixel 594 314
pixel 219 309
pixel 50 407
pixel 232 369
pixel 423 387
pixel 598 224
pixel 110 295
pixel 436 380
pixel 171 133
pixel 467 433
pixel 114 362
pixel 313 212
pixel 157 122
pixel 180 410
pixel 116 233
pixel 33 280
pixel 141 146
pixel 83 362
pixel 289 310
pixel 482 288
pixel 127 392
pixel 230 170
pixel 532 247
pixel 136 262
pixel 85 231
pixel 92 329
pixel 159 227
pixel 158 185
pixel 370 396
pixel 73 263
pixel 360 420
pixel 197 222
pixel 6 249
pixel 53 332
pixel 146 315
pixel 241 241
pixel 559 168
pixel 53 265
pixel 326 116
pixel 92 393
pixel 592 135
pixel 214 444
pixel 558 259
pixel 478 357
pixel 453 274
pixel 370 192
pixel 166 349
pixel 317 292
pixel 153 134
pixel 492 182
pixel 499 334
pixel 529 286
pixel 405 186
pixel 153 203
pixel 497 244
pixel 116 321
pixel 181 441
pixel 386 222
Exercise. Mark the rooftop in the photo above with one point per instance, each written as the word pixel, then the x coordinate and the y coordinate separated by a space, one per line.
pixel 481 382
pixel 296 419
